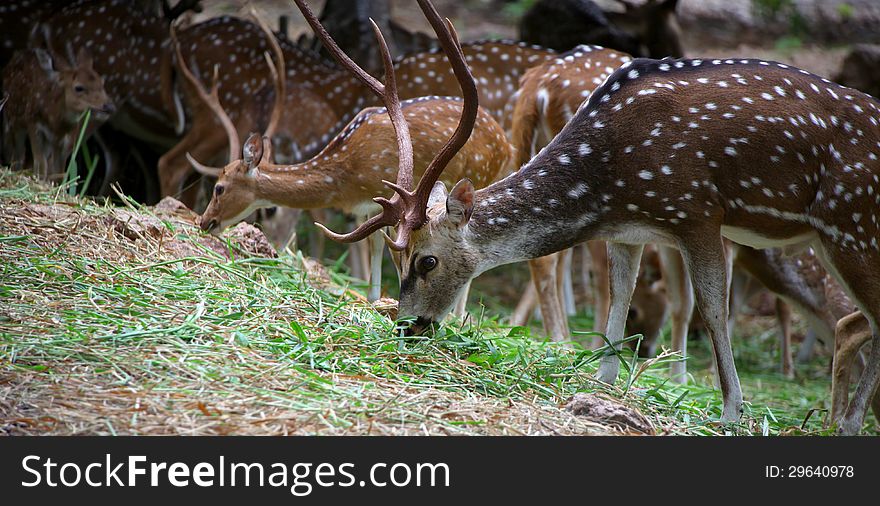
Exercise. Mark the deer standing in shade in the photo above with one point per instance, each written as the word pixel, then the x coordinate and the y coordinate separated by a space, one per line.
pixel 48 98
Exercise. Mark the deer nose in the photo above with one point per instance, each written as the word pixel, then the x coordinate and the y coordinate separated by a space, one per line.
pixel 108 108
pixel 418 326
pixel 208 225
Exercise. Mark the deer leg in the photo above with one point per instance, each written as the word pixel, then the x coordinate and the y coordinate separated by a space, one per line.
pixel 461 304
pixel 623 263
pixel 865 390
pixel 783 316
pixel 805 352
pixel 544 277
pixel 377 247
pixel 851 333
pixel 565 280
pixel 38 152
pixel 859 276
pixel 318 241
pixel 706 261
pixel 602 293
pixel 740 289
pixel 524 307
pixel 681 297
pixel 174 168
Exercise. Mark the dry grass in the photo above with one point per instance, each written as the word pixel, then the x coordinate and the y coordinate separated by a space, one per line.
pixel 124 321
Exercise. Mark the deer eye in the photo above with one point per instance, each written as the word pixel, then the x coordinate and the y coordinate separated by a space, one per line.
pixel 427 263
pixel 218 190
pixel 79 88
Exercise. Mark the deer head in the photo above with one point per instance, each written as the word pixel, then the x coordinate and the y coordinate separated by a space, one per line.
pixel 83 87
pixel 234 195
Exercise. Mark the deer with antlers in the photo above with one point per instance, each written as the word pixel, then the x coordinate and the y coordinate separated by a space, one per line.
pixel 348 172
pixel 705 131
pixel 315 88
pixel 48 99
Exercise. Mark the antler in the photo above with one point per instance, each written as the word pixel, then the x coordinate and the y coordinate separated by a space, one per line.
pixel 212 100
pixel 278 72
pixel 406 208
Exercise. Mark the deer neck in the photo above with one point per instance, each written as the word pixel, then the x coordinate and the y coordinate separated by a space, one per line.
pixel 552 203
pixel 314 184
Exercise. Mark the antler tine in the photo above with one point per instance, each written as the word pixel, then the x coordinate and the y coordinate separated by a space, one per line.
pixel 278 75
pixel 212 99
pixel 392 210
pixel 449 41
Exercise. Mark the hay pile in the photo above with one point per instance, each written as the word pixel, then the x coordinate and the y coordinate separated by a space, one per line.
pixel 121 320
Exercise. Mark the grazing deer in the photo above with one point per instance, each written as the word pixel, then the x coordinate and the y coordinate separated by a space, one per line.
pixel 675 152
pixel 798 282
pixel 348 172
pixel 48 97
pixel 315 85
pixel 407 208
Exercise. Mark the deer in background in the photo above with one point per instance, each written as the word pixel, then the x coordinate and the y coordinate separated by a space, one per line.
pixel 548 97
pixel 48 97
pixel 713 127
pixel 128 44
pixel 851 334
pixel 315 84
pixel 798 282
pixel 348 172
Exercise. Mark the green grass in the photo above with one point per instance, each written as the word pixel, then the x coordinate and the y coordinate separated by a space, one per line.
pixel 103 332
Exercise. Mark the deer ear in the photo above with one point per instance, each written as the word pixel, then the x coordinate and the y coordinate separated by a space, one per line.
pixel 252 151
pixel 460 202
pixel 44 59
pixel 438 194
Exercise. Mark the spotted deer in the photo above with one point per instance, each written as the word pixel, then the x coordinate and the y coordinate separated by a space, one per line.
pixel 407 208
pixel 796 281
pixel 348 172
pixel 674 152
pixel 128 42
pixel 48 97
pixel 316 88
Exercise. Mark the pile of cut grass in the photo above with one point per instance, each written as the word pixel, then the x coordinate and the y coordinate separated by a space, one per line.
pixel 130 324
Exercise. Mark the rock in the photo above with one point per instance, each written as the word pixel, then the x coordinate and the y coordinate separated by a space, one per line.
pixel 170 205
pixel 135 226
pixel 386 306
pixel 608 412
pixel 252 240
pixel 861 69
